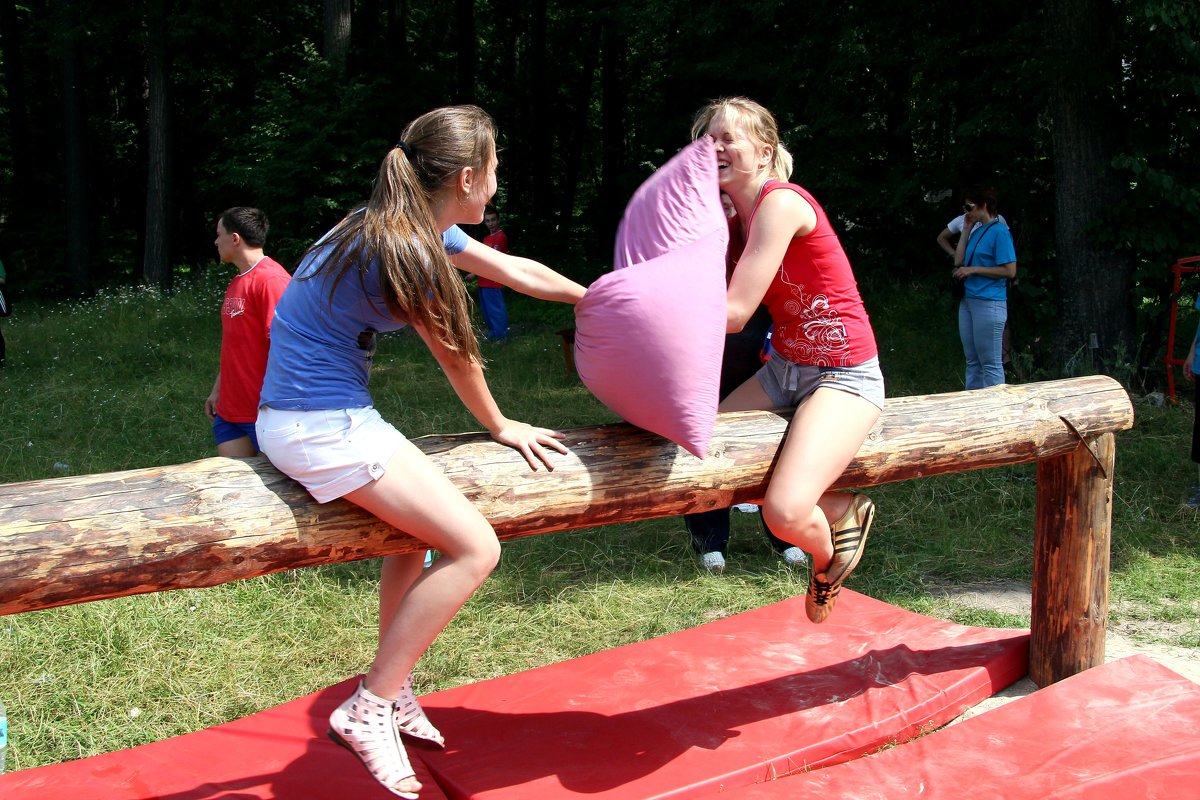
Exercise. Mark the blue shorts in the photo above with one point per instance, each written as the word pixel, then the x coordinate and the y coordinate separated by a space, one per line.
pixel 331 452
pixel 787 384
pixel 226 431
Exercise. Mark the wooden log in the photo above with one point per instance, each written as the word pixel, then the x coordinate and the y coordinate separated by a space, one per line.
pixel 204 523
pixel 1072 533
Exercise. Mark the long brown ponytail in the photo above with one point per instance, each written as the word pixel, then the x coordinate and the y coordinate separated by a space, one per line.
pixel 397 228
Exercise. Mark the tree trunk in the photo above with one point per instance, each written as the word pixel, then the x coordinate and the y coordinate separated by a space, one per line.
pixel 464 36
pixel 75 182
pixel 396 41
pixel 156 264
pixel 576 130
pixel 338 16
pixel 1096 319
pixel 510 100
pixel 20 138
pixel 613 102
pixel 70 540
pixel 542 113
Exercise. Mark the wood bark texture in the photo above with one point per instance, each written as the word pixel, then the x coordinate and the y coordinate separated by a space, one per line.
pixel 1073 532
pixel 75 539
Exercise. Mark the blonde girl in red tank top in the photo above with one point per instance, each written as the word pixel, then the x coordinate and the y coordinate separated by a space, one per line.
pixel 826 364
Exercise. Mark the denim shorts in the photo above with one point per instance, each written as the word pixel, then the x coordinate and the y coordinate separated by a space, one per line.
pixel 331 452
pixel 226 431
pixel 787 384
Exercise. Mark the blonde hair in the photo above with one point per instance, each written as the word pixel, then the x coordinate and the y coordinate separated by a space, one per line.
pixel 758 123
pixel 397 227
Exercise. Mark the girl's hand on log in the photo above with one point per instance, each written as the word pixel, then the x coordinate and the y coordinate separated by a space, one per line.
pixel 531 442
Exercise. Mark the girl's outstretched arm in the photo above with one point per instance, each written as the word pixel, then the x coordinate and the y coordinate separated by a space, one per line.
pixel 466 378
pixel 521 274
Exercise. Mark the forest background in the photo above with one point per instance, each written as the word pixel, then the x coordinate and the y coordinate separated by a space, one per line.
pixel 124 130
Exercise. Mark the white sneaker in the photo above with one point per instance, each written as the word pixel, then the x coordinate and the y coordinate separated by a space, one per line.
pixel 746 508
pixel 713 561
pixel 795 557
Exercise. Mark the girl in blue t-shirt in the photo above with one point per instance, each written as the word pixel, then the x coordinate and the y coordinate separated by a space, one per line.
pixel 393 263
pixel 985 260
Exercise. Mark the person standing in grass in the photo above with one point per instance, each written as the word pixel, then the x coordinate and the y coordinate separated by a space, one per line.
pixel 1191 366
pixel 491 293
pixel 824 361
pixel 246 315
pixel 985 260
pixel 384 266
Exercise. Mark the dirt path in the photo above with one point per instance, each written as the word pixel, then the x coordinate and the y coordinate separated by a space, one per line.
pixel 1015 598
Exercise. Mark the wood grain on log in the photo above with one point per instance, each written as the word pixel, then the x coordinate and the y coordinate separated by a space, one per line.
pixel 71 540
pixel 1072 536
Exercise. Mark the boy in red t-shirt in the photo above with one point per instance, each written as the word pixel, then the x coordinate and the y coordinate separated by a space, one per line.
pixel 246 316
pixel 491 294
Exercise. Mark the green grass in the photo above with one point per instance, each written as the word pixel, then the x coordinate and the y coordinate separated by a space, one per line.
pixel 118 382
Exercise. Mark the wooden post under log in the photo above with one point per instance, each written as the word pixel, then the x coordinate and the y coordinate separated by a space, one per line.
pixel 1072 533
pixel 71 540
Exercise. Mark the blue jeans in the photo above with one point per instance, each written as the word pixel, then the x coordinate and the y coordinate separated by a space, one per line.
pixel 981 328
pixel 495 315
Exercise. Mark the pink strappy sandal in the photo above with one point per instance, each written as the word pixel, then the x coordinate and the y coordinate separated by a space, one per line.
pixel 410 718
pixel 363 725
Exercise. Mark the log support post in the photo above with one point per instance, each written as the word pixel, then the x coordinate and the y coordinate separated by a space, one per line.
pixel 1072 534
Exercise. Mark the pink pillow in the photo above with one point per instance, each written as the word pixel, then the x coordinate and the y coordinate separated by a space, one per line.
pixel 649 335
pixel 677 205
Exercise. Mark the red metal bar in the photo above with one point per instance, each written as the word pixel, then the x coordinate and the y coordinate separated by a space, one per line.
pixel 1183 265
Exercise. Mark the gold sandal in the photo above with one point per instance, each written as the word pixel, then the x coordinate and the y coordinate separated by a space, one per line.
pixel 849 534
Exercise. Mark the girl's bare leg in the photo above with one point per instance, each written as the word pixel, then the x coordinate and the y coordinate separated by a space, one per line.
pixel 826 432
pixel 416 497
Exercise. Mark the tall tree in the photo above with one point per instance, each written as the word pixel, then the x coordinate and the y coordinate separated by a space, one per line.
pixel 156 265
pixel 575 129
pixel 1095 278
pixel 397 31
pixel 338 18
pixel 20 137
pixel 613 103
pixel 540 116
pixel 75 182
pixel 464 37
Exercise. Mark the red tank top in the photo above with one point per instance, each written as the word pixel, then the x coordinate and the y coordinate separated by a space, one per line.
pixel 814 301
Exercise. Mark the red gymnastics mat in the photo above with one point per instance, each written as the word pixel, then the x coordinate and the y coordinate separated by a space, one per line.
pixel 282 752
pixel 1127 729
pixel 730 703
pixel 726 704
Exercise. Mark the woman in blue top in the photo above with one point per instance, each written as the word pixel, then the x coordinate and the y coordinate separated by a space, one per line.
pixel 387 265
pixel 985 258
pixel 1191 368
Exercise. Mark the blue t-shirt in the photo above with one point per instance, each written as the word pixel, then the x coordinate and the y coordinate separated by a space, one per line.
pixel 990 245
pixel 321 347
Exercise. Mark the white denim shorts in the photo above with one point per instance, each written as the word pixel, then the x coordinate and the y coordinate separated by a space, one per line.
pixel 788 383
pixel 331 452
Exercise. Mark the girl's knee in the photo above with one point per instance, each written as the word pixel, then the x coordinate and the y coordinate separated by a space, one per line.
pixel 491 555
pixel 791 518
pixel 481 556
